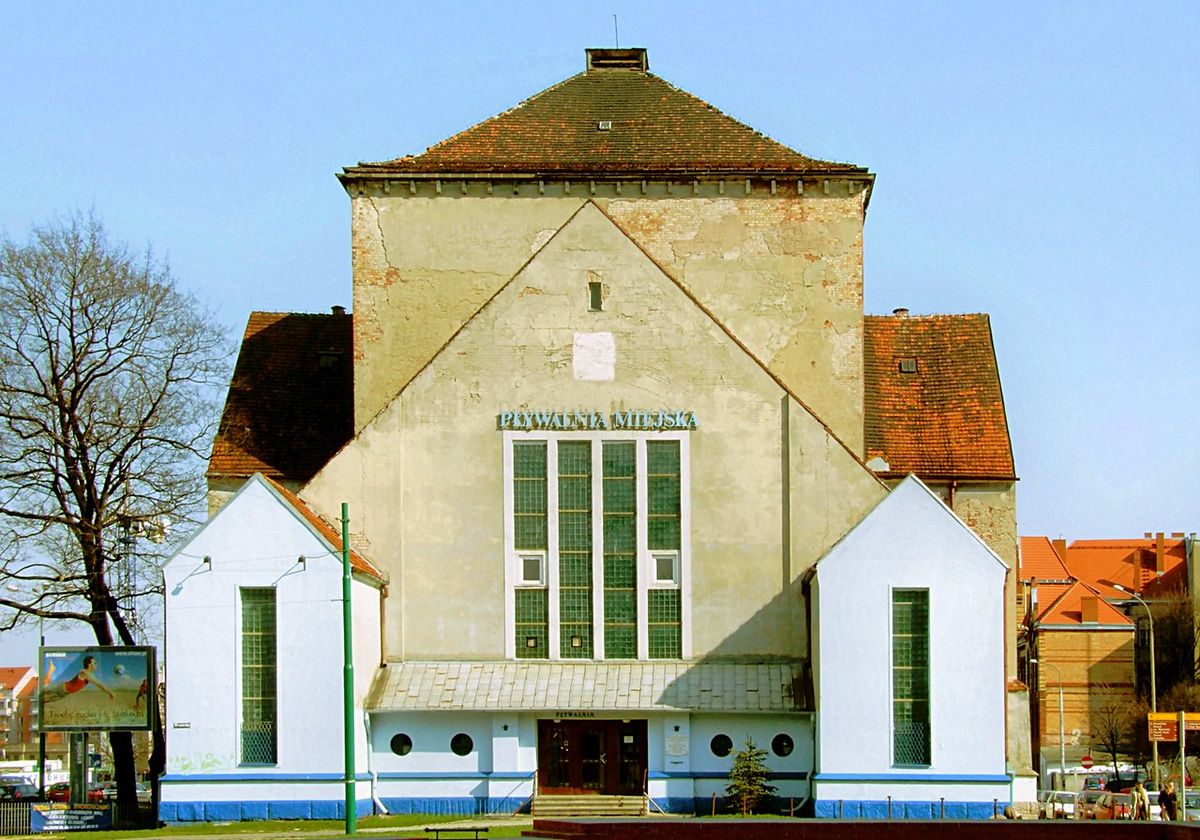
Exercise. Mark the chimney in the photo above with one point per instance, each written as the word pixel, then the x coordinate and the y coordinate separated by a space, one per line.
pixel 1060 548
pixel 338 310
pixel 1089 607
pixel 633 58
pixel 900 312
pixel 1160 553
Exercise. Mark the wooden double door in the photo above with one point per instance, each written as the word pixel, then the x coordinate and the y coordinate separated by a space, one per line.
pixel 591 756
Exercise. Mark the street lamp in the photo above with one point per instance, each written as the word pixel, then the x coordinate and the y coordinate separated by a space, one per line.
pixel 1153 688
pixel 1062 735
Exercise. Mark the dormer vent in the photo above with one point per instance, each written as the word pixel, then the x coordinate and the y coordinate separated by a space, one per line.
pixel 633 58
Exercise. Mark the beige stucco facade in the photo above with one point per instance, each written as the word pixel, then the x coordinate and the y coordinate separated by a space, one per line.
pixel 771 489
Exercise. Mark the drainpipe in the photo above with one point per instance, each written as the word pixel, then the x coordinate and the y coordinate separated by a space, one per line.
pixel 380 808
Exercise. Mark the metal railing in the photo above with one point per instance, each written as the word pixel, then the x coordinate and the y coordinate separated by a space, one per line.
pixel 15 817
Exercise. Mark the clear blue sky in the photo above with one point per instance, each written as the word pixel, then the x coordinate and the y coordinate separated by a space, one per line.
pixel 1036 161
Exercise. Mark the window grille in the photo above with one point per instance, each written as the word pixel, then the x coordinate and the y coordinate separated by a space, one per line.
pixel 910 677
pixel 258 734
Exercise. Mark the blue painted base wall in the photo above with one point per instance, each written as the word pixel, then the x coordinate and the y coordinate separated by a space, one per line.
pixel 470 806
pixel 852 809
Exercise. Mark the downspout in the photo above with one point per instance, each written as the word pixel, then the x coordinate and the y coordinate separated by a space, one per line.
pixel 380 808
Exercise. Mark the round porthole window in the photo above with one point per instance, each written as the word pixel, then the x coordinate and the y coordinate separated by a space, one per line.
pixel 401 744
pixel 782 744
pixel 462 744
pixel 721 745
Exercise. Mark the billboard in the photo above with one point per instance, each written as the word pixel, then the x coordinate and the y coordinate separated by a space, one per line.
pixel 96 688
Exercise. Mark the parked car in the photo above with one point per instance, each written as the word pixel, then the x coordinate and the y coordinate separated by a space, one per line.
pixel 1085 804
pixel 143 793
pixel 58 792
pixel 1114 806
pixel 18 790
pixel 1056 804
pixel 95 792
pixel 1191 806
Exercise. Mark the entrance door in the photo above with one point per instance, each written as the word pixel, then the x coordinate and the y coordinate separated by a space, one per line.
pixel 591 756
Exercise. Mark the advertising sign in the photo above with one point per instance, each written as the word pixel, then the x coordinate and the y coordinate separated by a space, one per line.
pixel 59 816
pixel 96 688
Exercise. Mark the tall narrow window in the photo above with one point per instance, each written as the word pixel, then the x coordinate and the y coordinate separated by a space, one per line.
pixel 575 549
pixel 910 676
pixel 663 539
pixel 532 608
pixel 620 549
pixel 258 676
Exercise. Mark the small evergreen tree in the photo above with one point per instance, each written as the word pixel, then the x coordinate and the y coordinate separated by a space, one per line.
pixel 748 786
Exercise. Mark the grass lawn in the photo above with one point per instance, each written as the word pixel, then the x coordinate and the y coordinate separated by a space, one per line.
pixel 393 825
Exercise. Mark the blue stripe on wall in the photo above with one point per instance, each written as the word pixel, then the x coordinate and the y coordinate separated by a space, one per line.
pixel 860 809
pixel 913 777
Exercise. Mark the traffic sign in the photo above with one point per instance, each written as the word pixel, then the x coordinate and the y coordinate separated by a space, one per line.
pixel 1086 761
pixel 1164 726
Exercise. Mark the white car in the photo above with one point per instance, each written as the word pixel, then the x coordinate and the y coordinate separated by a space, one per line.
pixel 144 794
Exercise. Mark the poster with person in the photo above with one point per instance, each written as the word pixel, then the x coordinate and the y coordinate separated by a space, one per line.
pixel 96 688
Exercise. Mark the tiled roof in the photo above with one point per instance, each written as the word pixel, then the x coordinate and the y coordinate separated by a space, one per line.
pixel 945 419
pixel 1131 563
pixel 290 405
pixel 1067 609
pixel 655 128
pixel 331 534
pixel 1040 561
pixel 585 686
pixel 11 677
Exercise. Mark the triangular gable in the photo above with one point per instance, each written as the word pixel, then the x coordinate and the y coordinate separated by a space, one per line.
pixel 1067 610
pixel 301 512
pixel 660 269
pixel 911 488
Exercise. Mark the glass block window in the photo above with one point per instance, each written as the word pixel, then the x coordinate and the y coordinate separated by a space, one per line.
pixel 663 520
pixel 532 623
pixel 910 677
pixel 662 609
pixel 529 495
pixel 575 549
pixel 619 460
pixel 258 727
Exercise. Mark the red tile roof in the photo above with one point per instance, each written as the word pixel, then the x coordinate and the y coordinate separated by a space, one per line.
pixel 290 405
pixel 1039 560
pixel 331 534
pixel 946 419
pixel 656 128
pixel 1066 610
pixel 1131 563
pixel 10 677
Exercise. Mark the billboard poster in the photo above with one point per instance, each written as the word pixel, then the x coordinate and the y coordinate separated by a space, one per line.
pixel 59 816
pixel 96 688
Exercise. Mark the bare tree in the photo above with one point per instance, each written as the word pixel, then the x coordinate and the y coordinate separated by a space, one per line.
pixel 107 400
pixel 1114 717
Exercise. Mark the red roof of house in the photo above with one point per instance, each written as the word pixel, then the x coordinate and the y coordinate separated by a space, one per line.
pixel 290 405
pixel 1066 608
pixel 616 118
pixel 1039 560
pixel 329 532
pixel 11 677
pixel 1131 563
pixel 933 404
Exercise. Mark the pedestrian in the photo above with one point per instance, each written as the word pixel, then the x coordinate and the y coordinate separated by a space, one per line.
pixel 1168 803
pixel 1141 802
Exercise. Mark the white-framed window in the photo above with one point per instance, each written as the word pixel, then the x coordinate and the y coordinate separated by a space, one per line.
pixel 609 514
pixel 531 568
pixel 664 566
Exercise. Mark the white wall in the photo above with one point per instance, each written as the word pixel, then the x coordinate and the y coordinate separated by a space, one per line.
pixel 255 541
pixel 910 540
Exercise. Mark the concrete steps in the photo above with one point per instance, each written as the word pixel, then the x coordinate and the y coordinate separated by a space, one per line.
pixel 589 806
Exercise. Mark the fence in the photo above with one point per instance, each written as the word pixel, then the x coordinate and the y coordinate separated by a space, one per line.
pixel 14 817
